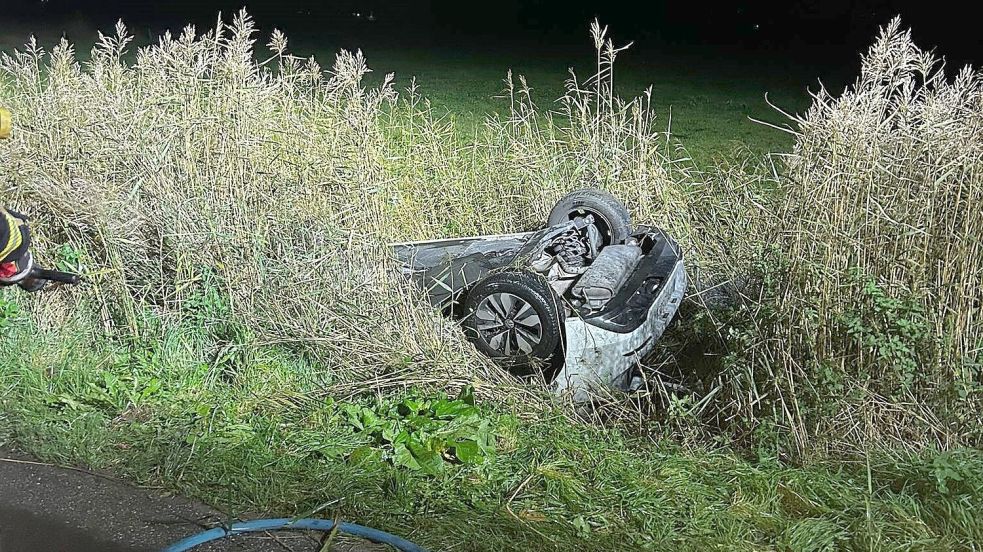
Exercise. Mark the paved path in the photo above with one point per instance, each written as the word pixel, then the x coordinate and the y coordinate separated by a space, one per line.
pixel 48 509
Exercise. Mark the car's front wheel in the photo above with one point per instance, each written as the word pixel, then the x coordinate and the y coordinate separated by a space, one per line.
pixel 514 318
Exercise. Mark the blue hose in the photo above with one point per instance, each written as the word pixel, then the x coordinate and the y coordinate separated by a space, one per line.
pixel 324 525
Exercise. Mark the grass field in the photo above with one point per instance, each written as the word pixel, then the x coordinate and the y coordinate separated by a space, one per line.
pixel 709 103
pixel 243 337
pixel 262 442
pixel 709 97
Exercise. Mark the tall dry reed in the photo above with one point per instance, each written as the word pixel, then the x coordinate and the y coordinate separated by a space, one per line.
pixel 196 164
pixel 867 323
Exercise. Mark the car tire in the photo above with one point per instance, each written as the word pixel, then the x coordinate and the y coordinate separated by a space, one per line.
pixel 610 215
pixel 514 318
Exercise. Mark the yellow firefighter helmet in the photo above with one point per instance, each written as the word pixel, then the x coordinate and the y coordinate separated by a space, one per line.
pixel 5 124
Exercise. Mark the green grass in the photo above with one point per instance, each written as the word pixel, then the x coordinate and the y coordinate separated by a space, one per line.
pixel 212 428
pixel 709 103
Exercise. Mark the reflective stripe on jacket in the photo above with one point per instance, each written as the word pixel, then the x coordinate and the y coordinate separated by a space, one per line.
pixel 12 237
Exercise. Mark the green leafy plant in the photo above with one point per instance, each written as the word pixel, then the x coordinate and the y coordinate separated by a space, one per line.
pixel 110 392
pixel 956 472
pixel 8 313
pixel 893 328
pixel 208 305
pixel 426 434
pixel 69 258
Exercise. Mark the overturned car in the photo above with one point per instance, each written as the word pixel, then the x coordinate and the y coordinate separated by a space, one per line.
pixel 586 297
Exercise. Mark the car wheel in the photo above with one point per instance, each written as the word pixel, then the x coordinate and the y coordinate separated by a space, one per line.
pixel 610 215
pixel 514 318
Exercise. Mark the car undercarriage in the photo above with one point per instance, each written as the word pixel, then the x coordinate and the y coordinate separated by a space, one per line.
pixel 587 294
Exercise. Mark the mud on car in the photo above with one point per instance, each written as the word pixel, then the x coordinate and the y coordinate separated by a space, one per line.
pixel 584 298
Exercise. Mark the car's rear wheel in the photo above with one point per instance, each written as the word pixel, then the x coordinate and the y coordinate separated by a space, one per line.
pixel 514 318
pixel 610 215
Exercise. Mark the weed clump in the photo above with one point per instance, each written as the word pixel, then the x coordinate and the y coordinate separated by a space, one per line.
pixel 866 314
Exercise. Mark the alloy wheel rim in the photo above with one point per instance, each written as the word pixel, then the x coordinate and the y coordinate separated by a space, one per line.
pixel 508 324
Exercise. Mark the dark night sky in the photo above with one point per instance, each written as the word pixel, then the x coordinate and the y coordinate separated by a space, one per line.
pixel 791 28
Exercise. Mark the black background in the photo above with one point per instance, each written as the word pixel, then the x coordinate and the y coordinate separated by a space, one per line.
pixel 813 29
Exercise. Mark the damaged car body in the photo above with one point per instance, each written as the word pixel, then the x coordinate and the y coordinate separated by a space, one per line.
pixel 587 295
